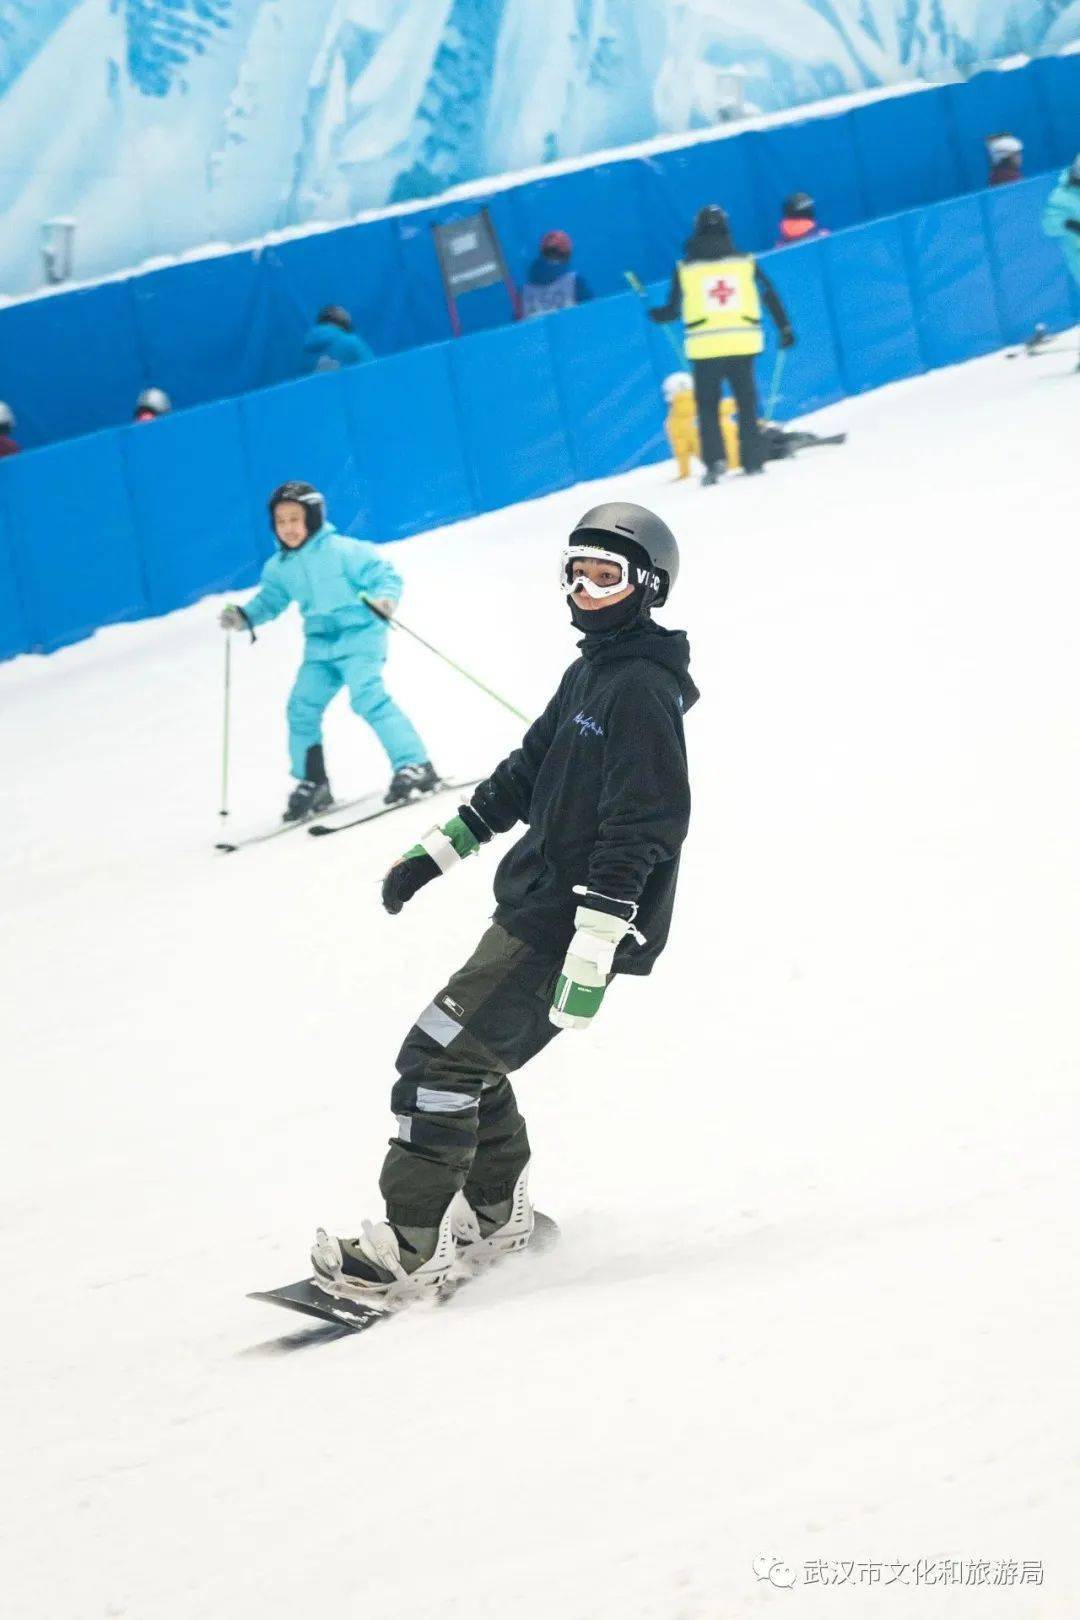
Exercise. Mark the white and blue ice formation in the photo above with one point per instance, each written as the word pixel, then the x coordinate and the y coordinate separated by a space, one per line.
pixel 161 125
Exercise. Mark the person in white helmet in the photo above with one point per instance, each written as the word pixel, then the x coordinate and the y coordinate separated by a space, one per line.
pixel 8 447
pixel 1006 156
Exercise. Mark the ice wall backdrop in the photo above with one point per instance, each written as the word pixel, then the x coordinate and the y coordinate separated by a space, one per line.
pixel 160 125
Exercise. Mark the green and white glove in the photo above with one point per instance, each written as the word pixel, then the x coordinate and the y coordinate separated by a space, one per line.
pixel 439 851
pixel 588 964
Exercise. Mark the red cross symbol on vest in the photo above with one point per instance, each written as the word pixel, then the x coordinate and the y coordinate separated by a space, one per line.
pixel 721 291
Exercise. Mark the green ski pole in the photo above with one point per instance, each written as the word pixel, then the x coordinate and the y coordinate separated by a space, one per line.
pixel 396 624
pixel 680 353
pixel 774 387
pixel 224 811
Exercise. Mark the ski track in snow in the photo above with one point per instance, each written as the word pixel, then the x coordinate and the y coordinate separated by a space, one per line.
pixel 816 1291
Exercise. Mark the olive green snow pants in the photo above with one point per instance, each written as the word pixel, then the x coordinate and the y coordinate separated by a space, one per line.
pixel 458 1119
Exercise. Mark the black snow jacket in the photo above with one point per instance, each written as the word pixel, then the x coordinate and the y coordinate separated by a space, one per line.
pixel 601 780
pixel 705 246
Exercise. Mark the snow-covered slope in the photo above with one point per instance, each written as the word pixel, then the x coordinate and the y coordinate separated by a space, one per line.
pixel 817 1178
pixel 164 124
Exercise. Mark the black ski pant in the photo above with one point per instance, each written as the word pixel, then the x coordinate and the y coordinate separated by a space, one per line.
pixel 458 1119
pixel 709 378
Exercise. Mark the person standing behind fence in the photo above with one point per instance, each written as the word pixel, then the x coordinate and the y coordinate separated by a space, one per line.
pixel 1006 157
pixel 718 292
pixel 552 282
pixel 333 343
pixel 8 447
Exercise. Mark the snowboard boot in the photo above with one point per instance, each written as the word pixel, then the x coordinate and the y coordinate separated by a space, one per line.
pixel 489 1230
pixel 713 474
pixel 410 782
pixel 313 793
pixel 386 1261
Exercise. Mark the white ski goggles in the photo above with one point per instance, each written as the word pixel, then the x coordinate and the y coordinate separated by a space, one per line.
pixel 572 582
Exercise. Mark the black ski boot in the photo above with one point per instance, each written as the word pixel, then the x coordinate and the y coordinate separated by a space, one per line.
pixel 313 794
pixel 410 782
pixel 713 473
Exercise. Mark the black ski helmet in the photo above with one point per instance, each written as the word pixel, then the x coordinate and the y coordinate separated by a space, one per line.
pixel 800 205
pixel 711 218
pixel 7 418
pixel 336 315
pixel 624 527
pixel 305 495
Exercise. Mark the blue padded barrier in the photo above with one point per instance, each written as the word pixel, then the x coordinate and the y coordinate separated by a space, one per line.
pixel 676 184
pixel 15 634
pixel 301 430
pixel 607 386
pixel 811 376
pixel 69 517
pixel 906 150
pixel 1058 80
pixel 990 102
pixel 577 201
pixel 818 156
pixel 952 282
pixel 402 414
pixel 191 505
pixel 116 525
pixel 70 363
pixel 872 307
pixel 510 416
pixel 1029 268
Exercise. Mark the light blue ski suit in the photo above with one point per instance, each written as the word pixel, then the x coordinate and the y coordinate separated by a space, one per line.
pixel 1064 204
pixel 345 642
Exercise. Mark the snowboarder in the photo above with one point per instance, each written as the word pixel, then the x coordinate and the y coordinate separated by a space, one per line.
pixel 600 780
pixel 328 575
pixel 718 293
pixel 1061 217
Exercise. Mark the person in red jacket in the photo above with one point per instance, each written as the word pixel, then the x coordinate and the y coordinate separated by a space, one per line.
pixel 799 222
pixel 8 447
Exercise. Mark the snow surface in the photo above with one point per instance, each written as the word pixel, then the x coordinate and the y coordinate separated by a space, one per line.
pixel 193 121
pixel 817 1178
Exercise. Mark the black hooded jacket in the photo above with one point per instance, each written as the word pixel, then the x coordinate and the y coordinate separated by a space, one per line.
pixel 601 780
pixel 705 246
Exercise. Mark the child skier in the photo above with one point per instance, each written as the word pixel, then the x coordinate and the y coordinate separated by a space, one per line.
pixel 345 644
pixel 1061 217
pixel 601 782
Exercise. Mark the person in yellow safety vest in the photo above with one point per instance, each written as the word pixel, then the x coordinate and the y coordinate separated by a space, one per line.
pixel 718 292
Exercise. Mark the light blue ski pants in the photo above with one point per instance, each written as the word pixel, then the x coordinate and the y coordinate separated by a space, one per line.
pixel 317 682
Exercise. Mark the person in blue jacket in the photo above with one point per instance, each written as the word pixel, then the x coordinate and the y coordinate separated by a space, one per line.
pixel 552 282
pixel 327 574
pixel 1061 217
pixel 333 343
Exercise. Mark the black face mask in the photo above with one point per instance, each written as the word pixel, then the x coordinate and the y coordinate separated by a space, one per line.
pixel 606 621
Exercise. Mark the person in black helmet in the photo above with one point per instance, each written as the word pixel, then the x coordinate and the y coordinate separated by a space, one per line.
pixel 799 221
pixel 331 343
pixel 718 292
pixel 600 782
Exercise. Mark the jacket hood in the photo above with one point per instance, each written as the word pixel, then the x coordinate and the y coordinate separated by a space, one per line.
pixel 670 648
pixel 714 244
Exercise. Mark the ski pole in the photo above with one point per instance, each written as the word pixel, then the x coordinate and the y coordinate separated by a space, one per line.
pixel 224 811
pixel 774 387
pixel 396 624
pixel 668 333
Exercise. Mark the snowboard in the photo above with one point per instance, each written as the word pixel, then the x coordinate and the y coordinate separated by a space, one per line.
pixel 357 1316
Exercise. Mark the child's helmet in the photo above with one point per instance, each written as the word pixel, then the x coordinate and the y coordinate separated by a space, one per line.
pixel 305 495
pixel 626 528
pixel 7 418
pixel 677 382
pixel 800 205
pixel 154 400
pixel 556 244
pixel 1003 146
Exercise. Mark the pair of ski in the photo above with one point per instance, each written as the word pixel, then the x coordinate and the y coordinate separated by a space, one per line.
pixel 357 1316
pixel 1040 342
pixel 368 808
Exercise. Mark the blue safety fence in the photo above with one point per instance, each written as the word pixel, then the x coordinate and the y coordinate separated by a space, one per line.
pixel 211 329
pixel 146 518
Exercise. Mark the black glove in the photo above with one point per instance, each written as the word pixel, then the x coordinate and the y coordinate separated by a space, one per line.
pixel 1073 225
pixel 405 877
pixel 787 338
